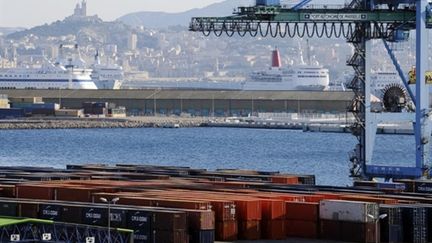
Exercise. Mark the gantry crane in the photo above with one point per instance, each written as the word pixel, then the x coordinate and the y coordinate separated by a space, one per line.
pixel 358 22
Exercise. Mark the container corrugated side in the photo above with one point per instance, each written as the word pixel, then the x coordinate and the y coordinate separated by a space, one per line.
pixel 350 211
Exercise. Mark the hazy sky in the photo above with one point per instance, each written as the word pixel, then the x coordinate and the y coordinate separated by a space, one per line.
pixel 29 13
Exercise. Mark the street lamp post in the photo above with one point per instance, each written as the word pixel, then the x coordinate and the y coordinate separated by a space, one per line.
pixel 380 217
pixel 109 202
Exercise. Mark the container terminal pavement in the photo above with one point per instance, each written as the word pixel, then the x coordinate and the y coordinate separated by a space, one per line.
pixel 181 204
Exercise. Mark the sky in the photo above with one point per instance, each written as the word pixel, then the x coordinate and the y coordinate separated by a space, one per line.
pixel 30 13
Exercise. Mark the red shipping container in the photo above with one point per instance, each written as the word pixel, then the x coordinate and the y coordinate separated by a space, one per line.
pixel 302 229
pixel 249 230
pixel 226 231
pixel 43 192
pixel 273 229
pixel 290 180
pixel 302 211
pixel 273 209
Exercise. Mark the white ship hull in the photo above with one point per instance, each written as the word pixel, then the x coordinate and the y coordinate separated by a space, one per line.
pixel 52 78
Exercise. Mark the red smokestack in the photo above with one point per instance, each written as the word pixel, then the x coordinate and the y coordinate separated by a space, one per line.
pixel 276 60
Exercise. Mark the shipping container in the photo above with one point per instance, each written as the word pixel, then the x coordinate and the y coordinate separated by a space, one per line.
pixel 415 223
pixel 273 209
pixel 363 212
pixel 200 219
pixel 144 236
pixel 348 231
pixel 11 113
pixel 273 229
pixel 72 214
pixel 177 236
pixel 50 212
pixel 169 220
pixel 226 230
pixel 305 211
pixel 8 209
pixel 202 236
pixel 95 216
pixel 268 2
pixel 249 230
pixel 138 220
pixel 391 225
pixel 302 229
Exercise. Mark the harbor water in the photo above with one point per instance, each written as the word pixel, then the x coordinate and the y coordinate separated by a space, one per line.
pixel 322 154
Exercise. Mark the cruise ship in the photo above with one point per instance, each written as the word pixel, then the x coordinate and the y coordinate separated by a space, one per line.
pixel 106 76
pixel 48 76
pixel 301 77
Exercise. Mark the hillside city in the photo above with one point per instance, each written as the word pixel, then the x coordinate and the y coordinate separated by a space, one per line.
pixel 173 51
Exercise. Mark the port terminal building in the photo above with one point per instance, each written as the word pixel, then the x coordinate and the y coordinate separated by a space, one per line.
pixel 197 102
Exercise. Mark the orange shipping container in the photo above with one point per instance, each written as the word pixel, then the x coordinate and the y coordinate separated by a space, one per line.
pixel 273 209
pixel 248 209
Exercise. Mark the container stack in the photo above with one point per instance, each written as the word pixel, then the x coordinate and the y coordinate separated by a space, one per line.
pixel 95 108
pixel 181 204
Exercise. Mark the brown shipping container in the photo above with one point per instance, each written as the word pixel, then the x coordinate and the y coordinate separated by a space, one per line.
pixel 227 230
pixel 28 210
pixel 358 232
pixel 75 194
pixel 178 236
pixel 302 229
pixel 330 230
pixel 302 211
pixel 169 220
pixel 273 209
pixel 35 192
pixel 348 231
pixel 186 204
pixel 249 230
pixel 8 191
pixel 201 220
pixel 273 229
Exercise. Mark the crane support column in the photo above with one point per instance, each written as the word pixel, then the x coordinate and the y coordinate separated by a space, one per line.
pixel 422 123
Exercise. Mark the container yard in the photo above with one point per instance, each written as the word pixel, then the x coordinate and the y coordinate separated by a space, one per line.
pixel 179 204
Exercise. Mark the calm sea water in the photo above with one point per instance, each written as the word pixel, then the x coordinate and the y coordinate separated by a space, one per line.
pixel 322 154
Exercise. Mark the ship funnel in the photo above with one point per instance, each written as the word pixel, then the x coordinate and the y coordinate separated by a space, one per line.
pixel 276 60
